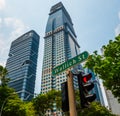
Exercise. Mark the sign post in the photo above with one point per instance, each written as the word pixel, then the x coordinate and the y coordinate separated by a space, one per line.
pixel 71 94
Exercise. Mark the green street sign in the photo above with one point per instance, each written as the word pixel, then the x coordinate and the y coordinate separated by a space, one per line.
pixel 70 63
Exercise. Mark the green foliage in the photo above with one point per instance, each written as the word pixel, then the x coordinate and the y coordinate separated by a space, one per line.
pixel 3 73
pixel 11 104
pixel 13 107
pixel 54 97
pixel 95 110
pixel 16 107
pixel 29 108
pixel 5 92
pixel 107 66
pixel 43 102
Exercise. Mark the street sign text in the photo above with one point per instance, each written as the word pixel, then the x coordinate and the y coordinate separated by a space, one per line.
pixel 77 59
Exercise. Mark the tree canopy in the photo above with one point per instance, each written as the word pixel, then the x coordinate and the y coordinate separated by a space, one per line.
pixel 43 102
pixel 107 65
pixel 12 105
pixel 3 73
pixel 95 109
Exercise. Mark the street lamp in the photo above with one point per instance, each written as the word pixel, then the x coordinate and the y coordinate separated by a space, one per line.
pixel 5 102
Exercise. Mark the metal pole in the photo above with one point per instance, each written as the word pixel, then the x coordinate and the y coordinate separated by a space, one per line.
pixel 71 95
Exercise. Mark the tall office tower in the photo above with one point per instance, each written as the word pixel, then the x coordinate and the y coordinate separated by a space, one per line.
pixel 22 63
pixel 60 45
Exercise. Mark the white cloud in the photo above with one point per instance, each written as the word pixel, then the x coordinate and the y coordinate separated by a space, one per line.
pixel 2 50
pixel 117 29
pixel 2 4
pixel 18 26
pixel 11 29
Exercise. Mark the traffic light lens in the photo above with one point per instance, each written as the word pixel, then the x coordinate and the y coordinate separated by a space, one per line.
pixel 87 77
pixel 84 79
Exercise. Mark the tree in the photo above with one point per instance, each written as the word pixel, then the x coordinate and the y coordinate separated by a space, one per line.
pixel 107 66
pixel 43 102
pixel 29 109
pixel 5 92
pixel 95 109
pixel 9 101
pixel 55 97
pixel 12 105
pixel 3 73
pixel 16 107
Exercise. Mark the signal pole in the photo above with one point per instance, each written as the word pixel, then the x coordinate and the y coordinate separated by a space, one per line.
pixel 71 94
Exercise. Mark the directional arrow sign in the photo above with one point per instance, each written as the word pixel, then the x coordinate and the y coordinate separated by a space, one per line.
pixel 70 63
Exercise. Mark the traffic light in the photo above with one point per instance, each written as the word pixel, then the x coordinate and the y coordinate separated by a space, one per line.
pixel 65 101
pixel 84 87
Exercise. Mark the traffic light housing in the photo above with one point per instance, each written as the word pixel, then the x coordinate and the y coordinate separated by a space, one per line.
pixel 85 87
pixel 65 101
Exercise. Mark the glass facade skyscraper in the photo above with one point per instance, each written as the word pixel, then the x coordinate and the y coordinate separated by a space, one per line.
pixel 22 64
pixel 60 45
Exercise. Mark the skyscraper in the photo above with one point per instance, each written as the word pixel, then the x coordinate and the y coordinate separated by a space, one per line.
pixel 60 45
pixel 22 63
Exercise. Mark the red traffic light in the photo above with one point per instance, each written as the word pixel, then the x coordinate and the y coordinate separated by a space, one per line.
pixel 86 77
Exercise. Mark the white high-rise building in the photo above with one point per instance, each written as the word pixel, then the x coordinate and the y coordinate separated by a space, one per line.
pixel 60 45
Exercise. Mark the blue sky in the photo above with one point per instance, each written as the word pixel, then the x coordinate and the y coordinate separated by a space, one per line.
pixel 95 23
